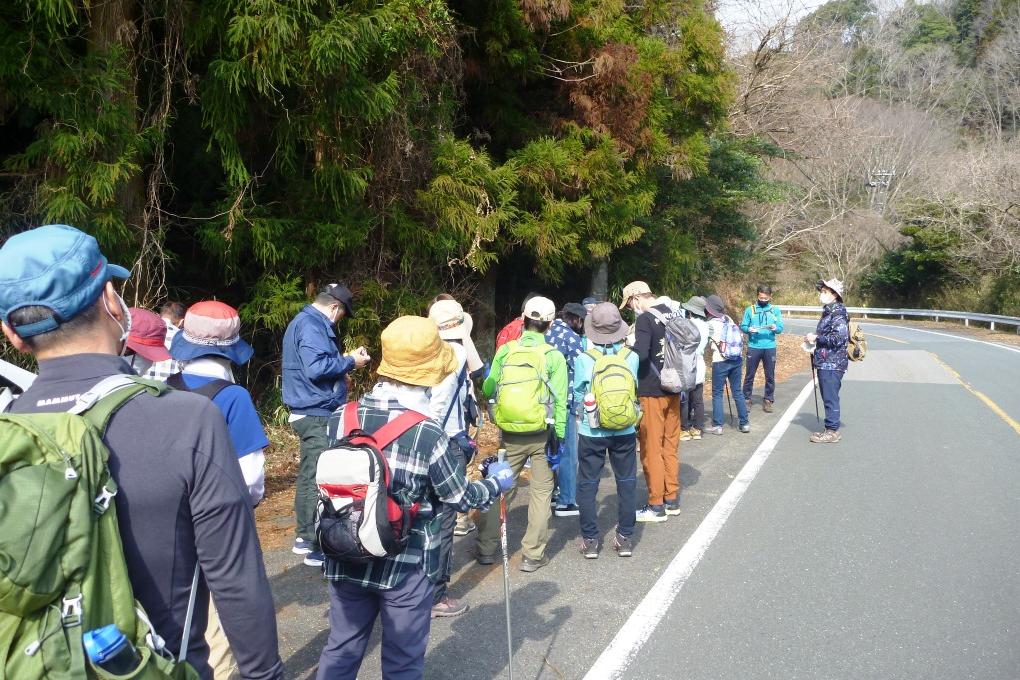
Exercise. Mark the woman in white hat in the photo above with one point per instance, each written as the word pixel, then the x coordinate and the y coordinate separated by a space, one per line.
pixel 449 405
pixel 830 360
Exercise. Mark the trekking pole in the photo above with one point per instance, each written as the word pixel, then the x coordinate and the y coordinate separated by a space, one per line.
pixel 501 455
pixel 729 401
pixel 814 379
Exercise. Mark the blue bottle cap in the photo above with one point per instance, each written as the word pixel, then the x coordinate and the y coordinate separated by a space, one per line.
pixel 103 643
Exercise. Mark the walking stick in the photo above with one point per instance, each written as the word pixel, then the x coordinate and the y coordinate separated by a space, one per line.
pixel 501 455
pixel 814 379
pixel 729 401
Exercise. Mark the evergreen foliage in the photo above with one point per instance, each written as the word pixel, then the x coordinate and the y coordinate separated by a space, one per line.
pixel 255 149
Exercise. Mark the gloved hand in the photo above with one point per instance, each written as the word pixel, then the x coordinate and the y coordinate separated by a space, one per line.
pixel 553 453
pixel 504 476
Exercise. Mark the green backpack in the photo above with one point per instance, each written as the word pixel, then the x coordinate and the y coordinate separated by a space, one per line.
pixel 615 390
pixel 62 569
pixel 524 399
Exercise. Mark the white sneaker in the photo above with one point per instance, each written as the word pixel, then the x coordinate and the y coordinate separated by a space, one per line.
pixel 650 514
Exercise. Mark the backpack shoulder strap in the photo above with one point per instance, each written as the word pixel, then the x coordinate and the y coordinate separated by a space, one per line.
pixel 594 353
pixel 391 431
pixel 105 398
pixel 6 399
pixel 208 390
pixel 658 315
pixel 624 353
pixel 456 395
pixel 351 421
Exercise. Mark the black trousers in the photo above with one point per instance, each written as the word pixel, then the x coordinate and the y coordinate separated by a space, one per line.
pixel 692 409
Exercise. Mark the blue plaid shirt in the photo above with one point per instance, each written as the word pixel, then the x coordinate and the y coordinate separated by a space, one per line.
pixel 570 344
pixel 424 471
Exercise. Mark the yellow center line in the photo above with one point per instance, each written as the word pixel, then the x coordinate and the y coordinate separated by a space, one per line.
pixel 996 409
pixel 886 337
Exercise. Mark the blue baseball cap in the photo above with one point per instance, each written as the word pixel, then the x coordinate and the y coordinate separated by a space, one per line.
pixel 57 267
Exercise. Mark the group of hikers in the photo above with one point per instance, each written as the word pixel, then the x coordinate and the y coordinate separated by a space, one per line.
pixel 386 482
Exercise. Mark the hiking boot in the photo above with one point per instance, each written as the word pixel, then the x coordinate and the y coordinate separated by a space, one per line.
pixel 745 428
pixel 315 558
pixel 827 437
pixel 485 560
pixel 651 513
pixel 673 506
pixel 590 548
pixel 766 406
pixel 529 565
pixel 464 527
pixel 301 546
pixel 448 607
pixel 624 545
pixel 715 429
pixel 695 434
pixel 685 436
pixel 567 510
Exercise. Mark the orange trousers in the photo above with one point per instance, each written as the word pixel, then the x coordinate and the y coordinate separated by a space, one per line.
pixel 659 437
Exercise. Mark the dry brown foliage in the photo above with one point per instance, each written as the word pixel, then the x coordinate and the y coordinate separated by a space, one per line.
pixel 613 100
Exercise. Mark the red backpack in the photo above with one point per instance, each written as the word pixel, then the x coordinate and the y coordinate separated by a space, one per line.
pixel 357 520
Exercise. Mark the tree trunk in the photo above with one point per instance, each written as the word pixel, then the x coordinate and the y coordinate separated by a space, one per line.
pixel 113 26
pixel 600 280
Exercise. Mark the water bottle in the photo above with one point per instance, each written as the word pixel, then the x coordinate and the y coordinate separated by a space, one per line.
pixel 110 650
pixel 591 410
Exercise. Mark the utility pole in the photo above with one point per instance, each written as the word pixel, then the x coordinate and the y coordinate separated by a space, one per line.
pixel 879 182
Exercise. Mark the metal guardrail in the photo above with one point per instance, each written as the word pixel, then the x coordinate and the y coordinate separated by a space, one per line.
pixel 937 314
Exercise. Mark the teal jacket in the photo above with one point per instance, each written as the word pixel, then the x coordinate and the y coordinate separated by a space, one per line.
pixel 759 318
pixel 584 366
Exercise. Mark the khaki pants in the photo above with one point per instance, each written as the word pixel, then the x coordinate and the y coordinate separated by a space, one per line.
pixel 520 447
pixel 221 660
pixel 659 436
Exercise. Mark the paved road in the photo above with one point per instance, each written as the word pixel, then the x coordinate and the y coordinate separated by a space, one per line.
pixel 891 555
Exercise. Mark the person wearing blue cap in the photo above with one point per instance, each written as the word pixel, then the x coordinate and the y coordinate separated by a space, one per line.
pixel 315 377
pixel 182 500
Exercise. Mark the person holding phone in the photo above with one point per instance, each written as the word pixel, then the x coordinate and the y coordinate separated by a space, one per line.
pixel 762 323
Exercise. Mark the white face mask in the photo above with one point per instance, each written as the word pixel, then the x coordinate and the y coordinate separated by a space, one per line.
pixel 826 298
pixel 126 327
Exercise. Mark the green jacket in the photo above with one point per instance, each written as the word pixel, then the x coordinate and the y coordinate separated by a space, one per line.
pixel 556 367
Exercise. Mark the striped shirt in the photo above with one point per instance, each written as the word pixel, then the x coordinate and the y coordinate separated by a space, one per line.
pixel 424 471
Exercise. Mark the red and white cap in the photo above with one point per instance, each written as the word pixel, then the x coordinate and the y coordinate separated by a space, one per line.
pixel 211 328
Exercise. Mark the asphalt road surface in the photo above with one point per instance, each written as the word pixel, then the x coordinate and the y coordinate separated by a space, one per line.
pixel 893 554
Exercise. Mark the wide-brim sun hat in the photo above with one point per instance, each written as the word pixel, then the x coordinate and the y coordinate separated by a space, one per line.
pixel 834 284
pixel 604 325
pixel 695 305
pixel 715 306
pixel 211 328
pixel 413 352
pixel 148 335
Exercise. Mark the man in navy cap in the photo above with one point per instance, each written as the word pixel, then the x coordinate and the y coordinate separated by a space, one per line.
pixel 314 386
pixel 182 500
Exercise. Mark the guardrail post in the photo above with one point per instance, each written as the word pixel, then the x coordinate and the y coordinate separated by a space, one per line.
pixel 991 325
pixel 966 322
pixel 936 318
pixel 902 317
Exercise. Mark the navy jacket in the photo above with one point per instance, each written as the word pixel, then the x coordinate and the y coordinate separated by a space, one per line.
pixel 313 368
pixel 833 333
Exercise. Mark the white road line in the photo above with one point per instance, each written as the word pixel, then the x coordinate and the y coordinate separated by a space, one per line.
pixel 922 330
pixel 613 661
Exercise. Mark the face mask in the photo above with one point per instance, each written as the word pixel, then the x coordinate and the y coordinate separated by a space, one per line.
pixel 825 298
pixel 126 327
pixel 763 303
